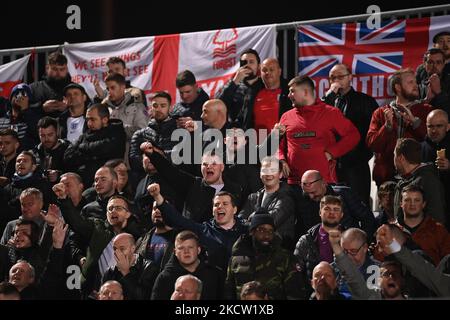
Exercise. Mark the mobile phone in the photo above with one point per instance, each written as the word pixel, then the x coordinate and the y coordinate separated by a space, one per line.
pixel 242 63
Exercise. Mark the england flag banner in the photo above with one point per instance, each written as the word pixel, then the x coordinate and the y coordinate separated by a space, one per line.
pixel 11 74
pixel 371 54
pixel 154 62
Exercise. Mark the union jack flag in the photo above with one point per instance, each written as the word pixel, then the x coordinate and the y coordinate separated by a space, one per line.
pixel 367 52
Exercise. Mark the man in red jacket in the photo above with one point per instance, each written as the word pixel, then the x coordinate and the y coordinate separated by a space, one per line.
pixel 316 134
pixel 404 117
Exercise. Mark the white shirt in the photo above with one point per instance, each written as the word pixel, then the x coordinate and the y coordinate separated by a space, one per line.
pixel 75 128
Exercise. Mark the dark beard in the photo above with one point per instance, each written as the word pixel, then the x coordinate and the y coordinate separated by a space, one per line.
pixel 160 224
pixel 259 247
pixel 330 225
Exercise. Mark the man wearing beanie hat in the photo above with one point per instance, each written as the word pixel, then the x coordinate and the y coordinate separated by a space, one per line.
pixel 258 256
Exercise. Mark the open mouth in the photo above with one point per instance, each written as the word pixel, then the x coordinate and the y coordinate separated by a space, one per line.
pixel 220 214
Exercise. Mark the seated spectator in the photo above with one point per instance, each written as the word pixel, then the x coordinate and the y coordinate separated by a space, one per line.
pixel 386 193
pixel 187 287
pixel 314 246
pixel 390 279
pixel 402 118
pixel 253 290
pixel 21 117
pixel 132 271
pixel 111 290
pixel 50 151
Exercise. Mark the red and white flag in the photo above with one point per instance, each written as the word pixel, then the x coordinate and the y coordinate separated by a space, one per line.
pixel 153 62
pixel 12 73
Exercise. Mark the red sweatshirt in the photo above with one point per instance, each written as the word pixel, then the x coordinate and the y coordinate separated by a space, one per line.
pixel 310 131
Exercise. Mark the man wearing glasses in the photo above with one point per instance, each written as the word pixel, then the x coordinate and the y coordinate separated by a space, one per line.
pixel 98 234
pixel 352 168
pixel 258 256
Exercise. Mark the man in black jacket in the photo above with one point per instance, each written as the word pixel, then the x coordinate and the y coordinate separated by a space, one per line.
pixel 9 145
pixel 132 271
pixel 104 140
pixel 352 168
pixel 242 88
pixel 276 198
pixel 158 132
pixel 72 122
pixel 48 93
pixel 186 261
pixel 356 213
pixel 438 139
pixel 196 192
pixel 50 152
pixel 217 234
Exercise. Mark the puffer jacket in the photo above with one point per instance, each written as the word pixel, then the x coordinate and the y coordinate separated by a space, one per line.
pixel 132 114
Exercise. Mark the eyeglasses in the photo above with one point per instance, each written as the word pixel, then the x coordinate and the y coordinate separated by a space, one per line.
pixel 353 252
pixel 118 208
pixel 264 230
pixel 308 184
pixel 339 77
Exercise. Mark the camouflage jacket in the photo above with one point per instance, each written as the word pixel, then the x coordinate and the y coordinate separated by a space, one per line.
pixel 274 269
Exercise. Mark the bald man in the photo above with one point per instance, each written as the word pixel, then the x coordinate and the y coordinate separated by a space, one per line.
pixel 214 114
pixel 352 168
pixel 438 138
pixel 324 283
pixel 132 271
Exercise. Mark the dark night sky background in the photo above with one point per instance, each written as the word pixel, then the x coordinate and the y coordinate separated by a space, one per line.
pixel 37 23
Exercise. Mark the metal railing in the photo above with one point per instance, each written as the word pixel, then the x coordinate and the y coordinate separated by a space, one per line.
pixel 286 40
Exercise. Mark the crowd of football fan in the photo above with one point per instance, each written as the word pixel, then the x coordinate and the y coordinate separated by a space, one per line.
pixel 94 205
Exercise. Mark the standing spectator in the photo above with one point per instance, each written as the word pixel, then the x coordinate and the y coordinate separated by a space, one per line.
pixel 275 197
pixel 314 246
pixel 307 146
pixel 117 65
pixel 48 93
pixel 404 117
pixel 408 162
pixel 72 122
pixel 436 149
pixel 122 106
pixel 441 41
pixel 352 168
pixel 192 99
pixel 104 140
pixel 159 132
pixel 386 193
pixel 356 213
pixel 435 88
pixel 240 92
pixel 50 151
